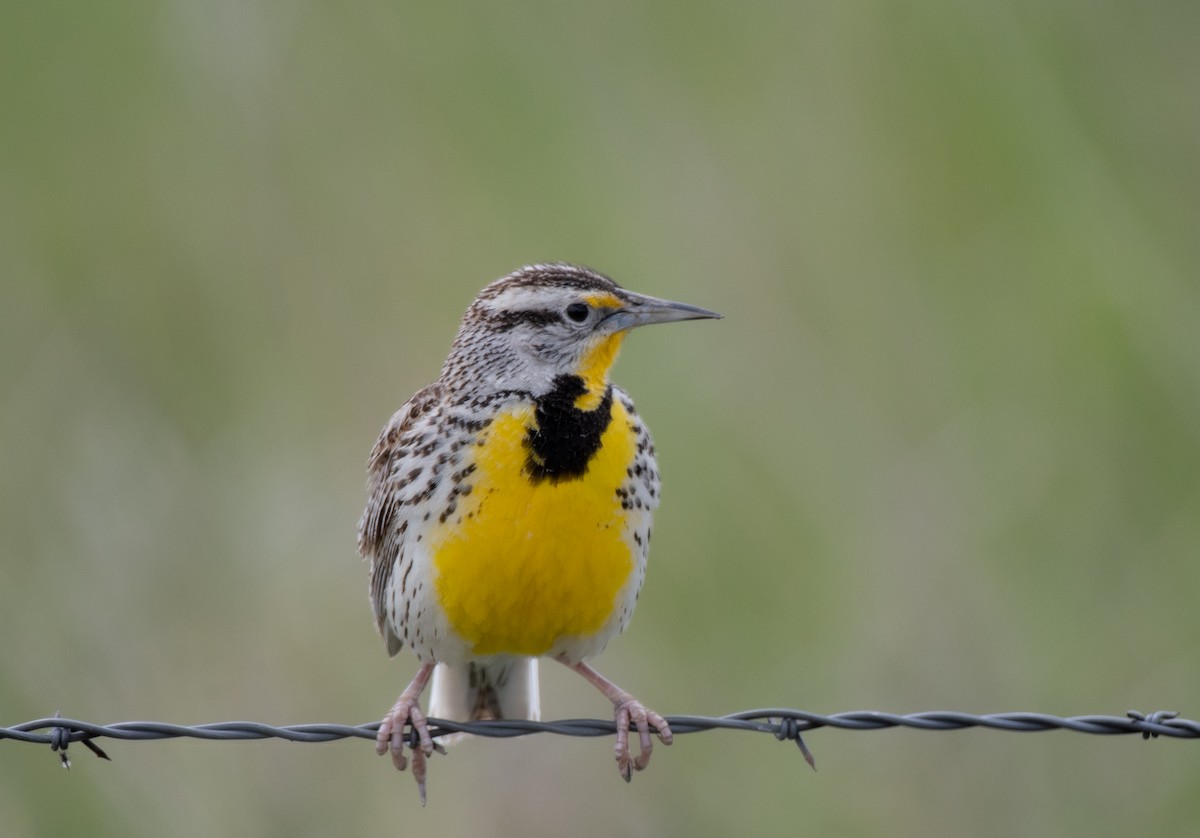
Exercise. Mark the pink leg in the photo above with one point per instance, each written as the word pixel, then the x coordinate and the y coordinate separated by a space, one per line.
pixel 391 729
pixel 626 710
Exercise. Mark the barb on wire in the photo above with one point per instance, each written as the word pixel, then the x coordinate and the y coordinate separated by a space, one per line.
pixel 782 723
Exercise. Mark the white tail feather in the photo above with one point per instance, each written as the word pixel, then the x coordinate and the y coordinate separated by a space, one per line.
pixel 465 692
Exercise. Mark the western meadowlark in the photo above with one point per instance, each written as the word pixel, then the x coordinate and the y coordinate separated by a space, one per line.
pixel 510 504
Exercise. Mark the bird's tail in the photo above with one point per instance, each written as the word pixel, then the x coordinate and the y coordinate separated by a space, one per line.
pixel 466 692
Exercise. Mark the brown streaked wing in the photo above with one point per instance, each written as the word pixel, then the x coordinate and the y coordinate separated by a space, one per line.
pixel 393 457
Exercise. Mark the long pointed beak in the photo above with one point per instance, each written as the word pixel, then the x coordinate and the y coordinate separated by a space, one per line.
pixel 641 310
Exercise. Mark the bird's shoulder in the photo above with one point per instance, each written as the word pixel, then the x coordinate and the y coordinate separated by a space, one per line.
pixel 409 436
pixel 403 433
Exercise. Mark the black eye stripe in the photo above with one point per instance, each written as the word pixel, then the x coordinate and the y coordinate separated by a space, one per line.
pixel 505 320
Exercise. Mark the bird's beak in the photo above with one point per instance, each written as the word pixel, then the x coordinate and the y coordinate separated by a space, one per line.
pixel 641 310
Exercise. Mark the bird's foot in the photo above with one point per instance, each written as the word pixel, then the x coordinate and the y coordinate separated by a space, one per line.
pixel 629 711
pixel 391 736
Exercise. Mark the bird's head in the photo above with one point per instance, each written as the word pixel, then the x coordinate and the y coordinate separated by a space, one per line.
pixel 529 329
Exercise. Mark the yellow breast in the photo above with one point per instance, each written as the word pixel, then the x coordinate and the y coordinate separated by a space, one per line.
pixel 523 563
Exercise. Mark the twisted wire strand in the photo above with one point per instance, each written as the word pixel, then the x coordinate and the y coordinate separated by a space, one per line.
pixel 781 722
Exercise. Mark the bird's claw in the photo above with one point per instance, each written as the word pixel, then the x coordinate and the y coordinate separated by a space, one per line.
pixel 629 711
pixel 391 737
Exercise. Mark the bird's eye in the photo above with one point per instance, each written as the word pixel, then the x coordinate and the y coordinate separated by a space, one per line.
pixel 577 312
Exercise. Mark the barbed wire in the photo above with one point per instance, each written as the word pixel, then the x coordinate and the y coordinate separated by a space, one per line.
pixel 782 723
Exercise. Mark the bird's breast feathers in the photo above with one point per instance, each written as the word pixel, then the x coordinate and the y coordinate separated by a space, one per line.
pixel 540 542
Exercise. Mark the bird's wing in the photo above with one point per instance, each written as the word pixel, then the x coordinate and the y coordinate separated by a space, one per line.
pixel 394 471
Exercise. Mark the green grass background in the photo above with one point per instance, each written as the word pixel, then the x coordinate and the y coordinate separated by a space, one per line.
pixel 942 453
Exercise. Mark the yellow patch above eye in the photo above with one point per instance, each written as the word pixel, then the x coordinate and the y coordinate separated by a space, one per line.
pixel 603 300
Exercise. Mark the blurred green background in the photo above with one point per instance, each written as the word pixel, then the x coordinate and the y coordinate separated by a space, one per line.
pixel 942 453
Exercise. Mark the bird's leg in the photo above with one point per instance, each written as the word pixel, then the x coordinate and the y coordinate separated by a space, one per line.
pixel 627 710
pixel 407 710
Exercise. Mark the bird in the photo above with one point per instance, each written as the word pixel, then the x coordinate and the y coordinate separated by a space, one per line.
pixel 509 509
